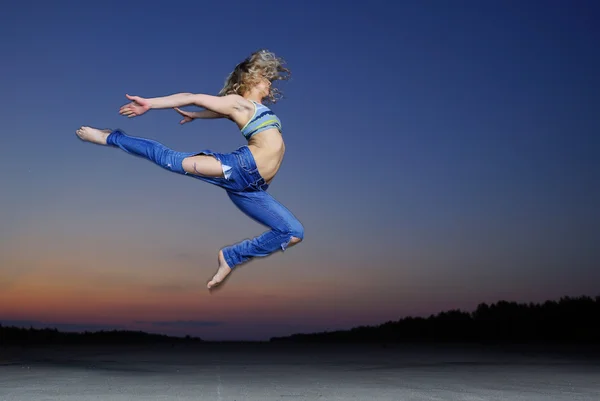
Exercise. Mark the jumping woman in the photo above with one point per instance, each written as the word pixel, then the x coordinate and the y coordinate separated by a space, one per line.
pixel 246 173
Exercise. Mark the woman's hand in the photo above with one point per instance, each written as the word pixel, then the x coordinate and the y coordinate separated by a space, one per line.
pixel 187 115
pixel 137 107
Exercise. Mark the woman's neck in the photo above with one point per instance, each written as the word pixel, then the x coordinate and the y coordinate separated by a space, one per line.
pixel 255 97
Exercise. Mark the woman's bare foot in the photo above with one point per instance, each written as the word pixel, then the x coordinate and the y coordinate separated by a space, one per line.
pixel 93 135
pixel 222 272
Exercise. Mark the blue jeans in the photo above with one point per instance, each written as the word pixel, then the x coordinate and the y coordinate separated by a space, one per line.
pixel 242 182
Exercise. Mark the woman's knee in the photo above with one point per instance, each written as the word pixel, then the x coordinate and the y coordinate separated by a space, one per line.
pixel 295 240
pixel 297 232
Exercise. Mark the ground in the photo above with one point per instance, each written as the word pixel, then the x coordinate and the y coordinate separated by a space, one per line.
pixel 265 372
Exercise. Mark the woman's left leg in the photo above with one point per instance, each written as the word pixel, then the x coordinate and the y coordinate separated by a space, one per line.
pixel 204 165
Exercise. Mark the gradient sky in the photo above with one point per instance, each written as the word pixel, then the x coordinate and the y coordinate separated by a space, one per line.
pixel 439 154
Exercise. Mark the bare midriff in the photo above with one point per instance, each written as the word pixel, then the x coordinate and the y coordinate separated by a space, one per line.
pixel 268 149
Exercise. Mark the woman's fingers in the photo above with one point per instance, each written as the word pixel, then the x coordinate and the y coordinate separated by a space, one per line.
pixel 183 113
pixel 133 98
pixel 126 108
pixel 128 112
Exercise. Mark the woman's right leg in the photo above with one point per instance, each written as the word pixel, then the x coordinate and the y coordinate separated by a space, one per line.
pixel 284 230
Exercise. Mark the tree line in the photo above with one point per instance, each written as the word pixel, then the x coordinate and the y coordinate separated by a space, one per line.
pixel 11 335
pixel 569 320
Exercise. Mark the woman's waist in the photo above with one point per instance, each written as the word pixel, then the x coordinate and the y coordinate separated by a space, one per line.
pixel 267 146
pixel 268 159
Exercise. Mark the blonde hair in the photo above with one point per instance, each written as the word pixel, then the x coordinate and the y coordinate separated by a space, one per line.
pixel 260 64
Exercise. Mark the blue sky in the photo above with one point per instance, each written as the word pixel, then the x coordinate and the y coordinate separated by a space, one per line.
pixel 438 154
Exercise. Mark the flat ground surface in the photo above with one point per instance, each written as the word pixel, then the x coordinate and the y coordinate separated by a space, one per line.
pixel 301 372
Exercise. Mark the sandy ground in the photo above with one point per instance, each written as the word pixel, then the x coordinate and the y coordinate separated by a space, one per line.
pixel 266 372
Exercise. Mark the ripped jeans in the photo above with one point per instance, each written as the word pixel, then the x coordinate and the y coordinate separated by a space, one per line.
pixel 242 182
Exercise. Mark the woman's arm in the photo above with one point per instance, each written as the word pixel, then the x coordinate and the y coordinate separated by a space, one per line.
pixel 204 114
pixel 189 116
pixel 219 105
pixel 225 106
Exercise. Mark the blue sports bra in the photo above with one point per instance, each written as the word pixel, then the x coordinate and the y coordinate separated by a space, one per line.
pixel 262 119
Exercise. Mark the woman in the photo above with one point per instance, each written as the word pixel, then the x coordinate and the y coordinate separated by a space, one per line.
pixel 245 173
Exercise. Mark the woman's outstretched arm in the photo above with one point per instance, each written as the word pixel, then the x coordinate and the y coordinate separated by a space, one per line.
pixel 224 105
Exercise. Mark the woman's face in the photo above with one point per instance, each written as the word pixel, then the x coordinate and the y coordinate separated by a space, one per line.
pixel 263 85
